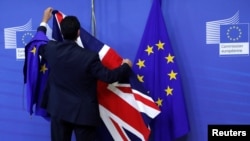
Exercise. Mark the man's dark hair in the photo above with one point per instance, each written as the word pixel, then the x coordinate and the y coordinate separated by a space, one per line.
pixel 69 27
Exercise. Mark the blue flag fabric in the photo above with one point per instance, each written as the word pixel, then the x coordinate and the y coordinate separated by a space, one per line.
pixel 35 74
pixel 156 68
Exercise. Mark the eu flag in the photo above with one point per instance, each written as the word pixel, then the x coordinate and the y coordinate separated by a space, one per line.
pixel 35 73
pixel 156 68
pixel 24 37
pixel 234 33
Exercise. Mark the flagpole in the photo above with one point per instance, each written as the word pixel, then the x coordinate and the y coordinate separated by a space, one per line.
pixel 93 21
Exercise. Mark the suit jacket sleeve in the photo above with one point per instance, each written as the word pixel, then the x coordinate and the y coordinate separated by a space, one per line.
pixel 43 30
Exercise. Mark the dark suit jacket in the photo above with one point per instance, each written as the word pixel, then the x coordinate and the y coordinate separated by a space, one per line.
pixel 71 90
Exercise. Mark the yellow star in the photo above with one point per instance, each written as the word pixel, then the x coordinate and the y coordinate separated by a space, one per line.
pixel 160 45
pixel 169 91
pixel 159 102
pixel 43 68
pixel 140 63
pixel 170 58
pixel 172 75
pixel 149 50
pixel 140 78
pixel 33 51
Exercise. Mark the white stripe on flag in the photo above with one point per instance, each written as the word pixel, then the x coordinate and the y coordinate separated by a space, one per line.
pixel 144 108
pixel 103 51
pixel 130 99
pixel 113 131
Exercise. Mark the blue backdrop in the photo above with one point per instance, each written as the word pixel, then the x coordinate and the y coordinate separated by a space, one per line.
pixel 215 76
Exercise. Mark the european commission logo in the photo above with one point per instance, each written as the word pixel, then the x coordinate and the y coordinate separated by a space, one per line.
pixel 16 38
pixel 232 36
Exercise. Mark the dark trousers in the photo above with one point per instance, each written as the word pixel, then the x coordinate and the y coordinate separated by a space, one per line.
pixel 62 131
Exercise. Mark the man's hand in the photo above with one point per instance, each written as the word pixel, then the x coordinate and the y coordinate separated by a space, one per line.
pixel 47 14
pixel 127 61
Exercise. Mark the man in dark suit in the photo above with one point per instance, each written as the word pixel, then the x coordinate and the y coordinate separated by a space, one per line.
pixel 71 89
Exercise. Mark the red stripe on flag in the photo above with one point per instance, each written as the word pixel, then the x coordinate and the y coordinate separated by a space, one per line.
pixel 112 59
pixel 59 16
pixel 146 101
pixel 125 111
pixel 118 128
pixel 138 97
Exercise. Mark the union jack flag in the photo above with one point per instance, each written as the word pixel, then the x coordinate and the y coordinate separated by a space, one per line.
pixel 125 107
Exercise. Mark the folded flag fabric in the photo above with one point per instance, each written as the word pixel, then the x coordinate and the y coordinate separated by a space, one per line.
pixel 35 72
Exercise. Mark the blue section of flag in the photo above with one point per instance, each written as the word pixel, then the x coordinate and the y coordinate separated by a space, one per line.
pixel 155 65
pixel 33 77
pixel 234 33
pixel 90 42
pixel 24 37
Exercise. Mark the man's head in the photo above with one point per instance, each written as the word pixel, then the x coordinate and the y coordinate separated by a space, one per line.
pixel 70 27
